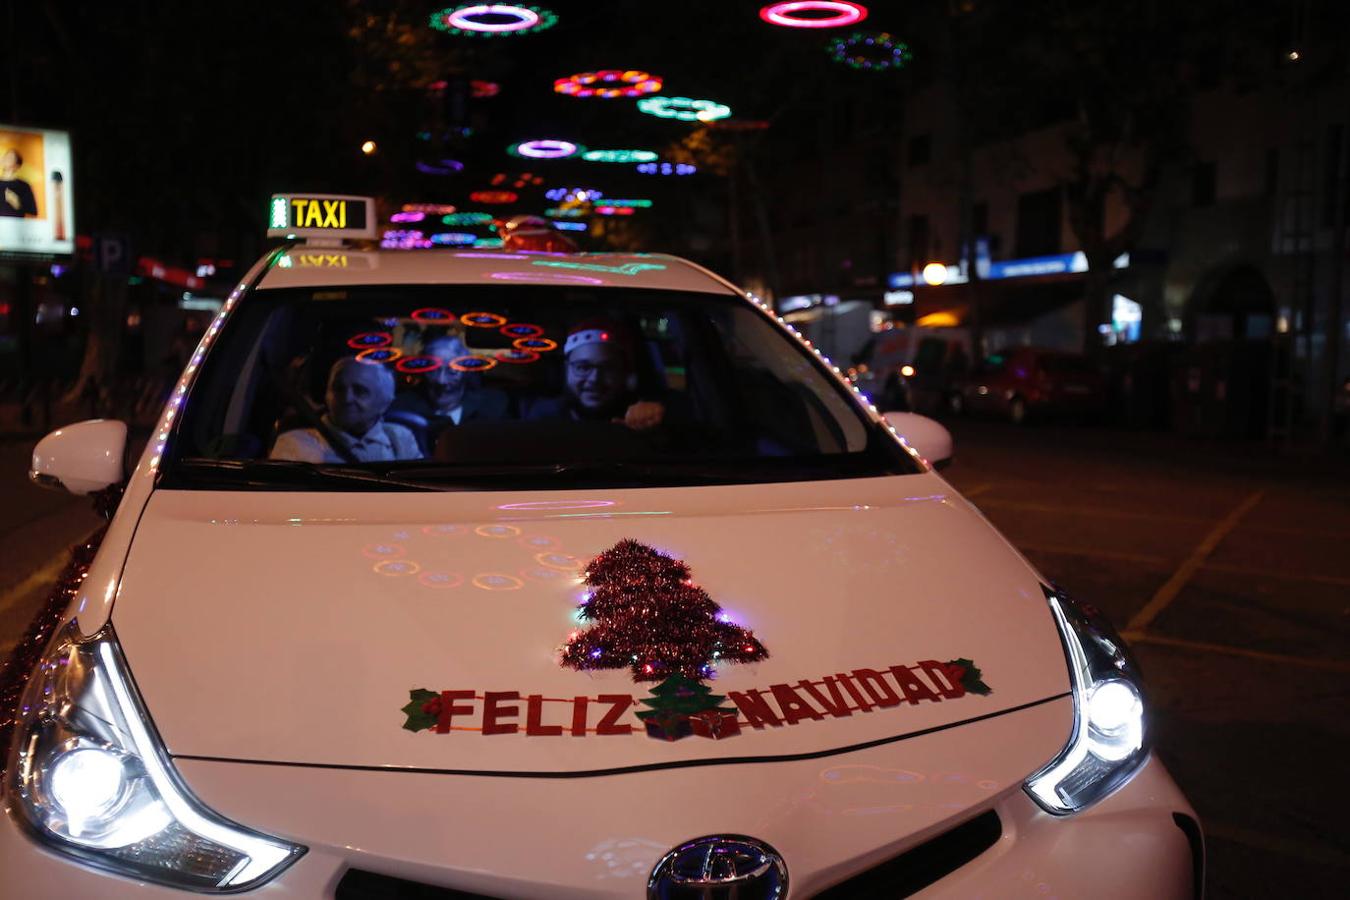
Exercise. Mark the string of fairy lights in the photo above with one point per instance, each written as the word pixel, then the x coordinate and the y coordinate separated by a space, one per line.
pixel 413 227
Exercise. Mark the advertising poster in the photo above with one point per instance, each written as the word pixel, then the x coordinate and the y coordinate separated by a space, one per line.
pixel 36 192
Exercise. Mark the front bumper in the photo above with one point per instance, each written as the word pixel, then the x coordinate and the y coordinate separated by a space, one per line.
pixel 831 818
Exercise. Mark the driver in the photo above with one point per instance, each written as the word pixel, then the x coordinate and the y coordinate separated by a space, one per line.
pixel 357 396
pixel 600 384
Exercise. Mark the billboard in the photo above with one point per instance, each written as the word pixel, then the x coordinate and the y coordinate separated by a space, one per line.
pixel 37 207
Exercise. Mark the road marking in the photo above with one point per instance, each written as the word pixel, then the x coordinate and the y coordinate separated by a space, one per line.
pixel 1229 569
pixel 45 576
pixel 1143 559
pixel 1296 847
pixel 1330 665
pixel 1088 512
pixel 1172 587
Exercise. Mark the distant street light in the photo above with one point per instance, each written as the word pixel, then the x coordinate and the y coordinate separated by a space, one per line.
pixel 368 148
pixel 934 273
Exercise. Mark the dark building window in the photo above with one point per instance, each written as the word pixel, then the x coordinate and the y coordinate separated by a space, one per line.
pixel 1331 166
pixel 920 150
pixel 1202 184
pixel 1038 223
pixel 1272 171
pixel 979 219
pixel 919 239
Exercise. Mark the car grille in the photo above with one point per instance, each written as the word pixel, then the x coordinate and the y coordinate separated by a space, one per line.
pixel 906 874
pixel 358 884
pixel 916 869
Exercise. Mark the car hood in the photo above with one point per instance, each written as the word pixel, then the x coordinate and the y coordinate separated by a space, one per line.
pixel 425 630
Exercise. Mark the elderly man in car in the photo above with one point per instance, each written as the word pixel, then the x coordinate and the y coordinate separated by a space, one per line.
pixel 357 396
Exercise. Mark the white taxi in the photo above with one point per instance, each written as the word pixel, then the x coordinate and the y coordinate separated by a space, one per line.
pixel 546 575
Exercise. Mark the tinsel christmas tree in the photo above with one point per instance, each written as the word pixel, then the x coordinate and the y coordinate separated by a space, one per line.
pixel 652 619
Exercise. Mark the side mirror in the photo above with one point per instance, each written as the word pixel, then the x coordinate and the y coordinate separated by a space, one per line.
pixel 82 458
pixel 931 439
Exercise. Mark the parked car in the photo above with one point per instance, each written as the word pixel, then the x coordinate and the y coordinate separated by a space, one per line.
pixel 309 659
pixel 1025 382
pixel 913 369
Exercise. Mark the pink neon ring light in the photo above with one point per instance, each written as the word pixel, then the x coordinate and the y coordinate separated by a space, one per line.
pixel 787 14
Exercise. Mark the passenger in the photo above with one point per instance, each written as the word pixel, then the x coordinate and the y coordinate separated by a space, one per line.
pixel 357 396
pixel 601 385
pixel 446 396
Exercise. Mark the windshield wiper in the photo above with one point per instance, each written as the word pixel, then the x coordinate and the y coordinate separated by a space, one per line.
pixel 289 473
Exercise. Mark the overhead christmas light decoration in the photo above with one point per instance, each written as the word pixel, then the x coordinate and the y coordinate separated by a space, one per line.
pixel 453 238
pixel 487 244
pixel 619 156
pixel 492 20
pixel 639 203
pixel 492 198
pixel 481 90
pixel 405 217
pixel 440 167
pixel 814 13
pixel 398 239
pixel 608 83
pixel 545 149
pixel 869 51
pixel 684 109
pixel 665 168
pixel 614 210
pixel 437 209
pixel 567 194
pixel 571 226
pixel 468 218
pixel 518 181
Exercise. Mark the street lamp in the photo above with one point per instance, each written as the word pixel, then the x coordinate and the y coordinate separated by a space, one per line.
pixel 368 148
pixel 935 273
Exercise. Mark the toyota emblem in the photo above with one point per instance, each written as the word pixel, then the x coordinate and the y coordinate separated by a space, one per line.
pixel 719 867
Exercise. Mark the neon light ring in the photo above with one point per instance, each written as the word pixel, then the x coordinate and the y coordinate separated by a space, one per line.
pixel 375 339
pixel 431 315
pixel 619 156
pixel 536 344
pixel 814 13
pixel 379 355
pixel 545 149
pixel 608 83
pixel 492 19
pixel 517 357
pixel 468 218
pixel 870 51
pixel 521 330
pixel 441 167
pixel 471 363
pixel 666 168
pixel 683 109
pixel 483 319
pixel 405 217
pixel 417 365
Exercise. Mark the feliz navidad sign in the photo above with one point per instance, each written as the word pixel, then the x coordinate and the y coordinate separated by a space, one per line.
pixel 647 615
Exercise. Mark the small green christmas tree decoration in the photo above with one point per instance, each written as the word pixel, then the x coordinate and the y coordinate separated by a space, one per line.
pixel 678 702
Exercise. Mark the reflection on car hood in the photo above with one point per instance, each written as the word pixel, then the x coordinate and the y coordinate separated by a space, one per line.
pixel 425 630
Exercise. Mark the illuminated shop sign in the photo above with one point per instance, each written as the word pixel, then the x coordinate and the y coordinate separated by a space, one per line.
pixel 1057 264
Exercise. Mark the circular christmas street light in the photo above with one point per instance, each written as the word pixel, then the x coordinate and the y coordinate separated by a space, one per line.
pixel 683 109
pixel 492 19
pixel 608 83
pixel 619 156
pixel 545 149
pixel 869 51
pixel 814 13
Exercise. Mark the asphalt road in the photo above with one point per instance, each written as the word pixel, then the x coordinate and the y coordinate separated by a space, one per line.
pixel 1226 568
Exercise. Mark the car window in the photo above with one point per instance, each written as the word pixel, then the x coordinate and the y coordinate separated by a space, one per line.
pixel 474 384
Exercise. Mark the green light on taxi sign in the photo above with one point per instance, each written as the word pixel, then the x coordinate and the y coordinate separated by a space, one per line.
pixel 278 218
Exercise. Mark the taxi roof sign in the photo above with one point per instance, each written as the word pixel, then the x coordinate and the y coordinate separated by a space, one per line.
pixel 325 217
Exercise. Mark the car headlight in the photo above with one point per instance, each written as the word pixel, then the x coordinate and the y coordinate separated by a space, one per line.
pixel 89 779
pixel 1110 739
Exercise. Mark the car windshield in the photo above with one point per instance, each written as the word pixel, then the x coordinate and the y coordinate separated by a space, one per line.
pixel 468 386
